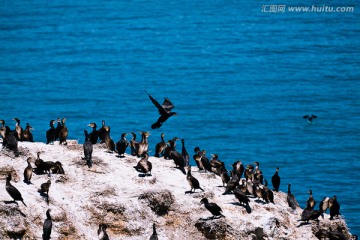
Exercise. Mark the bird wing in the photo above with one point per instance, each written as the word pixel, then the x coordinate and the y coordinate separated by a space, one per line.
pixel 157 104
pixel 306 116
pixel 167 105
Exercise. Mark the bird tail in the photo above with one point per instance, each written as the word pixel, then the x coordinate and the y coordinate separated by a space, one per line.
pixel 23 203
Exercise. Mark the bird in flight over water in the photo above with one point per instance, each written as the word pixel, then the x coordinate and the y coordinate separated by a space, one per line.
pixel 310 117
pixel 164 111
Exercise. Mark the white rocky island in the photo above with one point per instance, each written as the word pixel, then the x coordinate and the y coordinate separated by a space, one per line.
pixel 113 193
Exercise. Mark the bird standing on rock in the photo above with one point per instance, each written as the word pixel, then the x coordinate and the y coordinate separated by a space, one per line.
pixel 88 149
pixel 63 134
pixel 50 134
pixel 121 145
pixel 47 226
pixel 12 191
pixel 193 182
pixel 212 207
pixel 275 180
pixel 28 171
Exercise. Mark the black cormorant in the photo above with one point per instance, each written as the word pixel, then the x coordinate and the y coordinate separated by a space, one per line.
pixel 144 166
pixel 291 199
pixel 275 180
pixel 164 111
pixel 121 145
pixel 193 182
pixel 103 131
pixel 212 207
pixel 159 147
pixel 334 207
pixel 144 144
pixel 311 201
pixel 18 129
pixel 108 140
pixel 88 149
pixel 50 134
pixel 310 117
pixel 154 234
pixel 57 129
pixel 13 192
pixel 184 153
pixel 63 134
pixel 9 140
pixel 28 171
pixel 94 135
pixel 26 134
pixel 241 196
pixel 47 226
pixel 134 145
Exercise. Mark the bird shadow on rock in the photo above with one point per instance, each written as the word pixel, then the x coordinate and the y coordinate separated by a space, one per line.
pixel 120 156
pixel 27 182
pixel 303 224
pixel 247 207
pixel 259 201
pixel 144 175
pixel 211 218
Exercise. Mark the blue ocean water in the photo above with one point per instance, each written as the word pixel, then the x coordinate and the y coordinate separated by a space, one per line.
pixel 240 79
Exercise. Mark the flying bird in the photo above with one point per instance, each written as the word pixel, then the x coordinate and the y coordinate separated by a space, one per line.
pixel 310 117
pixel 164 111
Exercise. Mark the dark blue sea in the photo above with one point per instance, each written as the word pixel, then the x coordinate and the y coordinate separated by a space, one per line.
pixel 241 77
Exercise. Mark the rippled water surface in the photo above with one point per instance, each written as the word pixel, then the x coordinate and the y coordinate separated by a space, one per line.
pixel 240 80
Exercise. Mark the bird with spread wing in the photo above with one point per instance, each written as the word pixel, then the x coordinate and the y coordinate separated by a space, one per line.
pixel 164 111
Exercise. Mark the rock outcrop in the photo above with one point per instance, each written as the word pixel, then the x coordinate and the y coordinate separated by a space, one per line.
pixel 113 193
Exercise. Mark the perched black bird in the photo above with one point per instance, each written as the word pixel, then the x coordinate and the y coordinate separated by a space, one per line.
pixel 50 134
pixel 269 193
pixel 311 201
pixel 28 171
pixel 45 187
pixel 103 131
pixel 160 147
pixel 193 182
pixel 102 234
pixel 26 134
pixel 18 129
pixel 275 180
pixel 224 174
pixel 13 192
pixel 212 207
pixel 121 145
pixel 164 111
pixel 94 135
pixel 334 207
pixel 57 129
pixel 310 117
pixel 108 140
pixel 144 166
pixel 63 134
pixel 291 199
pixel 9 140
pixel 57 168
pixel 310 214
pixel 134 145
pixel 242 197
pixel 154 234
pixel 184 153
pixel 47 226
pixel 143 145
pixel 88 149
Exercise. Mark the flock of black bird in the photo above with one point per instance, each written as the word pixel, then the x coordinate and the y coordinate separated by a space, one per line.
pixel 244 182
